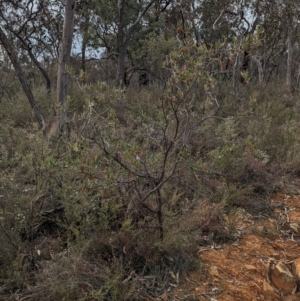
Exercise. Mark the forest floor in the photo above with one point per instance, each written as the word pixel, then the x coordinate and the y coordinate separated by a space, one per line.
pixel 241 270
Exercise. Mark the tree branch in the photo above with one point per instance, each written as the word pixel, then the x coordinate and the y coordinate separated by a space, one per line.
pixel 137 21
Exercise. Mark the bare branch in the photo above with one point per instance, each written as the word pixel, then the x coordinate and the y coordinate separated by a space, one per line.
pixel 137 21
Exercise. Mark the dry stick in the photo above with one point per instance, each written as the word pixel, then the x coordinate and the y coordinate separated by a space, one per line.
pixel 116 159
pixel 158 184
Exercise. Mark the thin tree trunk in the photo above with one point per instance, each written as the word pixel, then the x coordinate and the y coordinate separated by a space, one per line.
pixel 63 60
pixel 260 71
pixel 121 65
pixel 160 215
pixel 36 62
pixel 121 45
pixel 298 77
pixel 43 71
pixel 84 39
pixel 289 63
pixel 22 78
pixel 236 74
pixel 83 52
pixel 123 40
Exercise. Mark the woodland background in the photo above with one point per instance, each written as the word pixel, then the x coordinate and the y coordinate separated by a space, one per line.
pixel 122 155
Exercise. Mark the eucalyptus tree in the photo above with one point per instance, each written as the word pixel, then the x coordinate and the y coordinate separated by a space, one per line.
pixel 25 23
pixel 223 27
pixel 14 21
pixel 64 59
pixel 9 47
pixel 117 26
pixel 277 33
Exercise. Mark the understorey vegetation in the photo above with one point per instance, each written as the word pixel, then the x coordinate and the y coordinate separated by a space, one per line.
pixel 108 192
pixel 117 210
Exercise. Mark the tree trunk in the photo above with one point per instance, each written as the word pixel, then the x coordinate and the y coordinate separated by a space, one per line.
pixel 289 62
pixel 121 45
pixel 22 78
pixel 123 40
pixel 36 62
pixel 121 66
pixel 298 77
pixel 63 60
pixel 86 24
pixel 83 50
pixel 43 71
pixel 260 71
pixel 236 74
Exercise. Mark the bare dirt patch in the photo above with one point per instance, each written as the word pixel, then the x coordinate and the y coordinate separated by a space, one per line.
pixel 241 270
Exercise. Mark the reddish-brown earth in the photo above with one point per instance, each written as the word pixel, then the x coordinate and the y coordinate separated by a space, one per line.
pixel 240 270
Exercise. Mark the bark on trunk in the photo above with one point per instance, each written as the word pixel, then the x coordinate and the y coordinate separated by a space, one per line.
pixel 36 62
pixel 64 58
pixel 289 63
pixel 236 75
pixel 298 77
pixel 22 78
pixel 84 39
pixel 121 65
pixel 43 71
pixel 121 45
pixel 260 71
pixel 123 40
pixel 83 50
